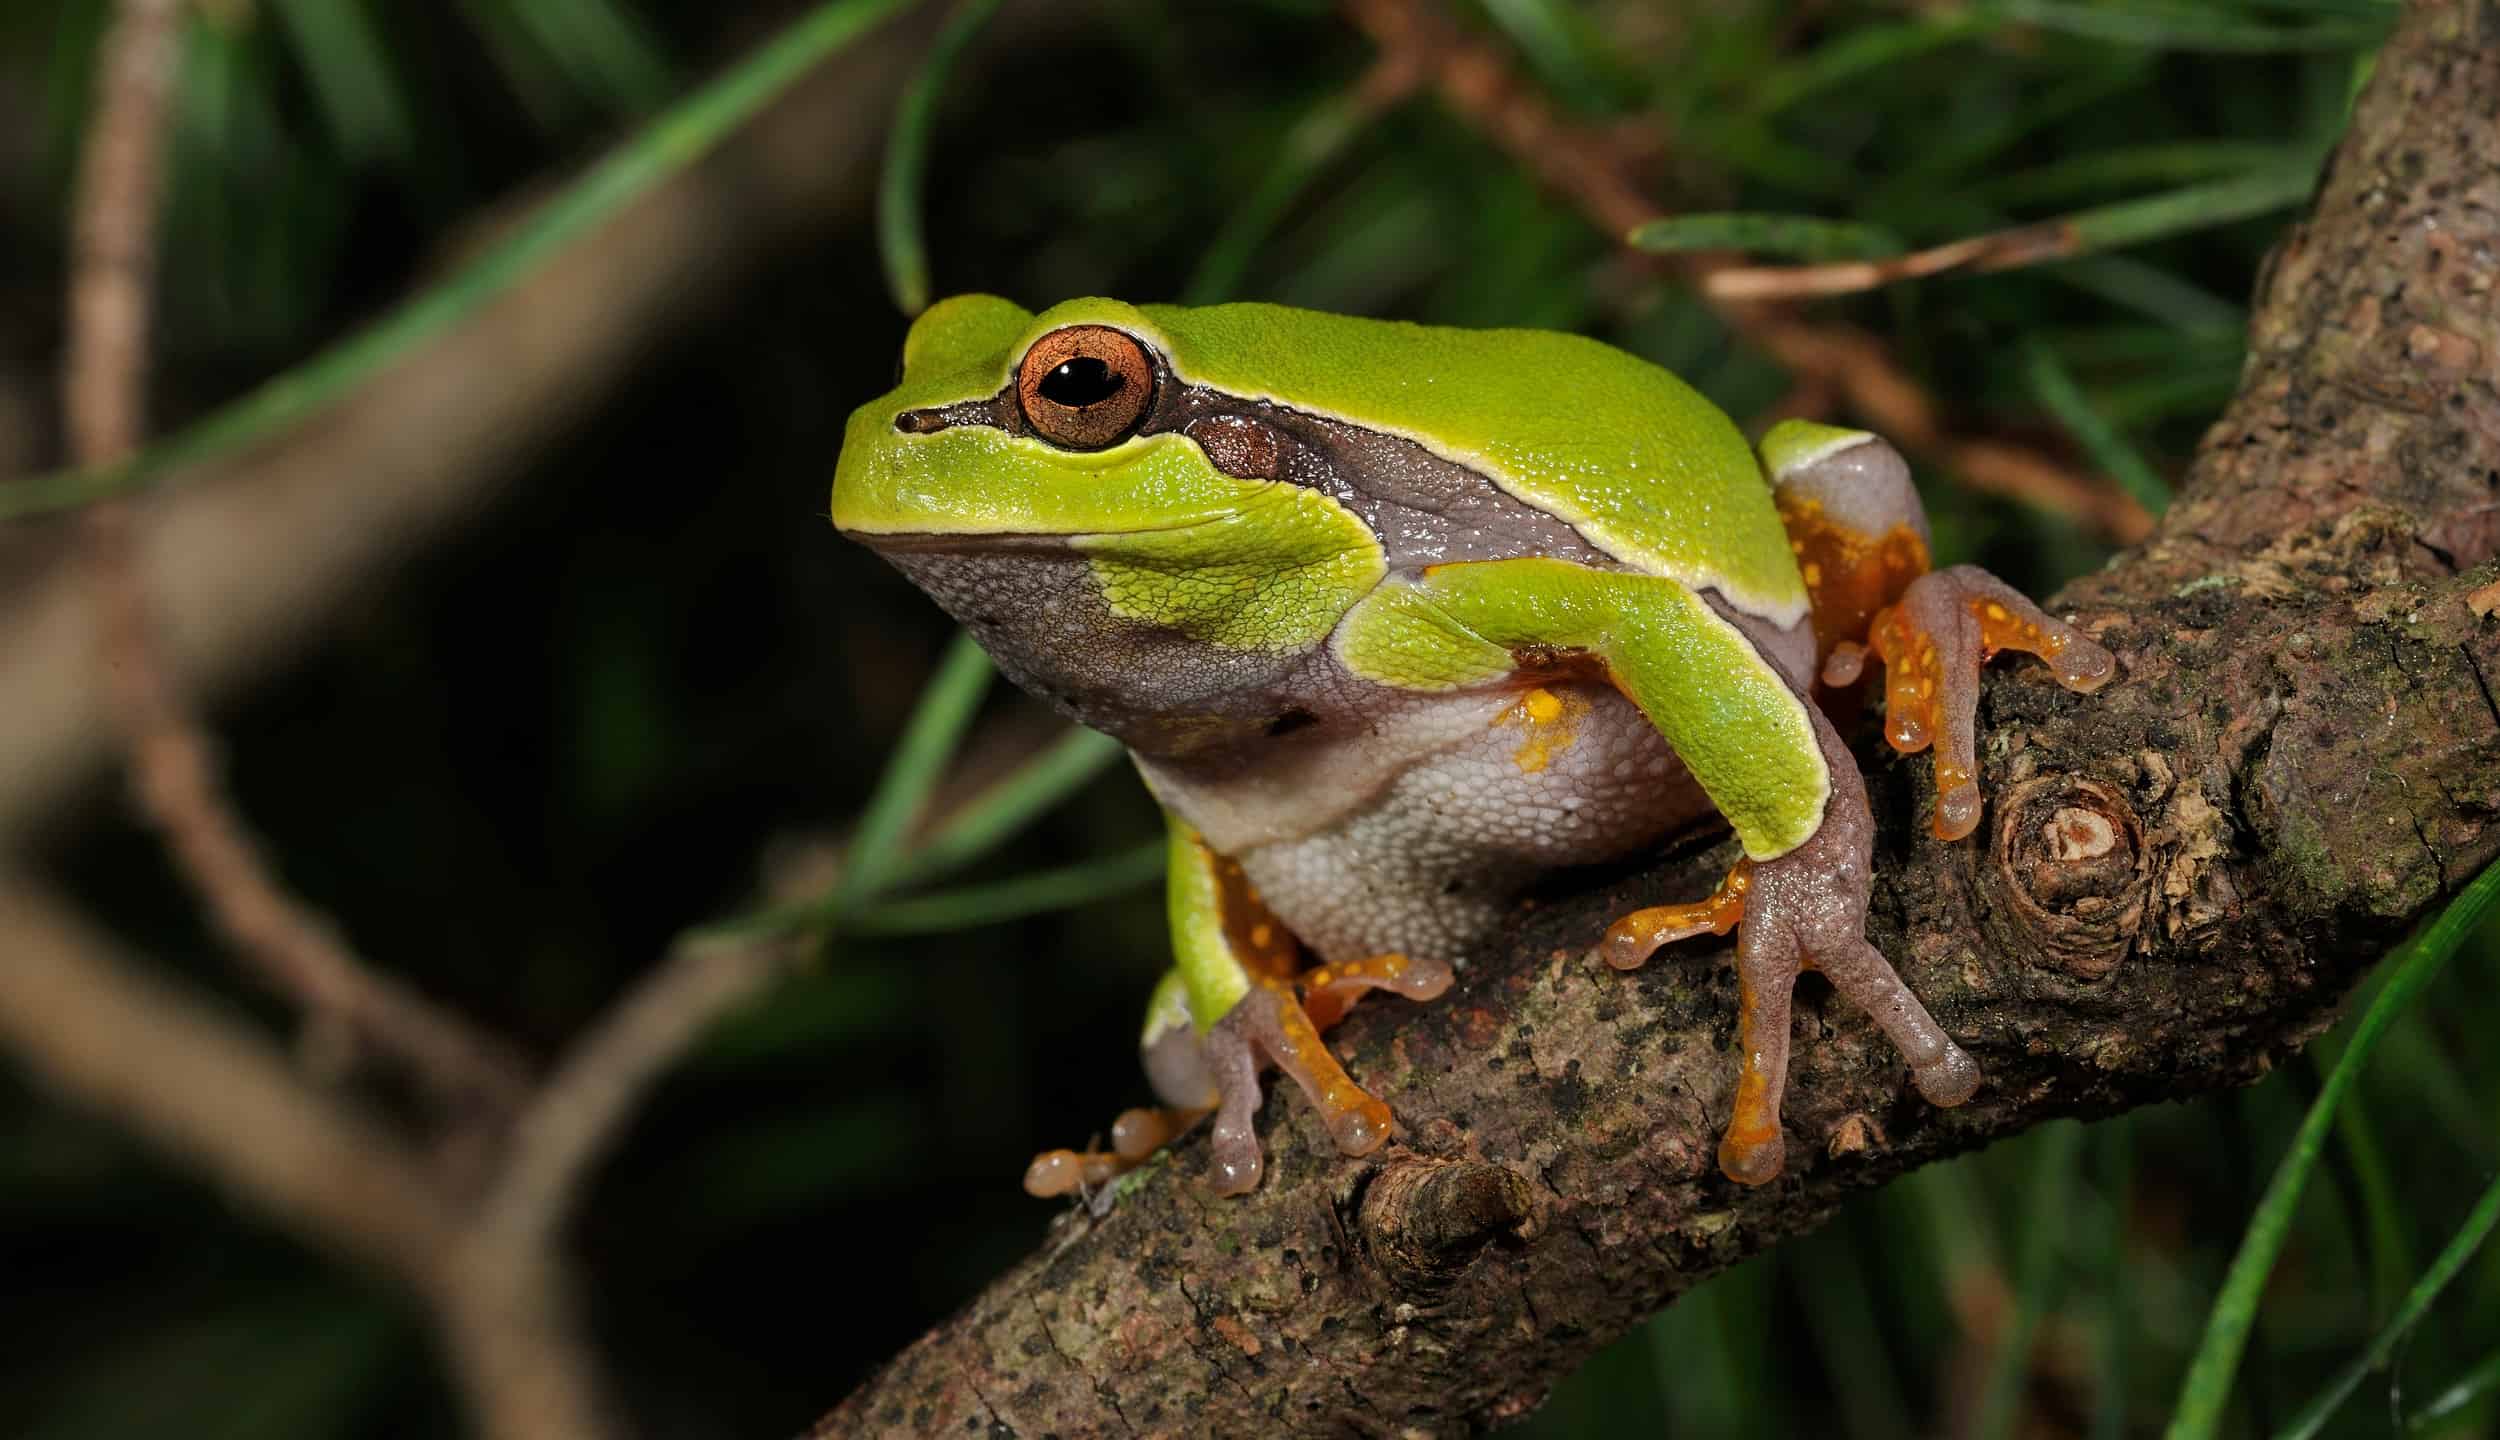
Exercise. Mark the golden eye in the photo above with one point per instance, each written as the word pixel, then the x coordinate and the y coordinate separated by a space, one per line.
pixel 1086 387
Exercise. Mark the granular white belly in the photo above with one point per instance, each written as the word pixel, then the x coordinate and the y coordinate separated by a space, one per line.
pixel 1420 841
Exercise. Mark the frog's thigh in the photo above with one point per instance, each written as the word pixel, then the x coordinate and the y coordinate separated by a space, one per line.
pixel 1861 542
pixel 1723 707
pixel 1854 521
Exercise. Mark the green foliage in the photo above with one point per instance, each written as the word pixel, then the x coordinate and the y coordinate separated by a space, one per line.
pixel 561 743
pixel 2207 1388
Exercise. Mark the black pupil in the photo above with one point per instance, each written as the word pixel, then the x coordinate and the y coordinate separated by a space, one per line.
pixel 1081 382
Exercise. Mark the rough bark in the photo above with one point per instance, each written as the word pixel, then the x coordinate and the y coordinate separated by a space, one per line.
pixel 2178 880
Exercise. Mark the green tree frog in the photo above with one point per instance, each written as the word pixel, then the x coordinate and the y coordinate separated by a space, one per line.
pixel 1394 618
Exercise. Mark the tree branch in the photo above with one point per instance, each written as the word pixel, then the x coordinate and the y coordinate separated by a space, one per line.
pixel 241 566
pixel 2178 880
pixel 207 1088
pixel 250 559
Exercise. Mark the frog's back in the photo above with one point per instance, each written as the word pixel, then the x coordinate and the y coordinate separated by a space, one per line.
pixel 1638 461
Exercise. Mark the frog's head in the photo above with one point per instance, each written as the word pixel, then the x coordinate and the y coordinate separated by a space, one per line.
pixel 1113 538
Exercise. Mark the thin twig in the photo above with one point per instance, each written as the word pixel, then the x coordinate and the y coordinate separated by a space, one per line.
pixel 208 1089
pixel 707 972
pixel 197 1084
pixel 174 779
pixel 585 1102
pixel 1591 170
pixel 1996 250
pixel 2125 222
pixel 215 1095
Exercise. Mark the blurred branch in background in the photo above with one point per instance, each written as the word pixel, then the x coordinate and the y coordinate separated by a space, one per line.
pixel 484 1253
pixel 384 445
pixel 1587 167
pixel 248 556
pixel 174 773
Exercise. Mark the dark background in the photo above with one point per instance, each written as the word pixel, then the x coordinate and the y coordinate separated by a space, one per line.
pixel 592 716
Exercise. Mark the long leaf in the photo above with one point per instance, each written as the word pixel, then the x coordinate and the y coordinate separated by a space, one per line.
pixel 1057 889
pixel 662 149
pixel 900 242
pixel 2206 1392
pixel 1010 805
pixel 2417 1302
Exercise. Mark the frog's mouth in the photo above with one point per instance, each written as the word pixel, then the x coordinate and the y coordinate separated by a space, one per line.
pixel 944 542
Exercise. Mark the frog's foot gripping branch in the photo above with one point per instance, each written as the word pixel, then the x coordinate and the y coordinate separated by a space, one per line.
pixel 1240 968
pixel 1933 643
pixel 1218 1074
pixel 1802 910
pixel 1860 536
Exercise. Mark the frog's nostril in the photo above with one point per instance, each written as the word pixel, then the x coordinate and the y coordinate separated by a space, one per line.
pixel 919 422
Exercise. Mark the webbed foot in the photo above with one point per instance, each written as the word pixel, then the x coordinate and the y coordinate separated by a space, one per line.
pixel 1932 644
pixel 1804 910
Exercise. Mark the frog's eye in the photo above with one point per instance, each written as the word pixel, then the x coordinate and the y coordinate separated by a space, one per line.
pixel 1085 387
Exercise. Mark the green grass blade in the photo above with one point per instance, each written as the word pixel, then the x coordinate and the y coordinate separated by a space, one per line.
pixel 2176 162
pixel 929 738
pixel 2206 1391
pixel 2475 1385
pixel 872 861
pixel 2382 1213
pixel 2058 394
pixel 1319 137
pixel 1869 48
pixel 2192 207
pixel 1561 44
pixel 2444 1267
pixel 603 50
pixel 2053 1158
pixel 1011 804
pixel 900 242
pixel 2188 26
pixel 1802 237
pixel 1063 888
pixel 660 150
pixel 350 74
pixel 2192 312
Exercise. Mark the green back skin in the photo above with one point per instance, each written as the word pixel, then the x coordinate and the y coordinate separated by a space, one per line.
pixel 1635 462
pixel 1644 467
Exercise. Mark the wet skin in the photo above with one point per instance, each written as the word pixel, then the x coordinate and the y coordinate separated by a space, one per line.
pixel 1394 619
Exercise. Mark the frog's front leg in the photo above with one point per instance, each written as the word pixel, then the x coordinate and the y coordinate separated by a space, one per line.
pixel 1801 910
pixel 1861 540
pixel 1236 999
pixel 1770 761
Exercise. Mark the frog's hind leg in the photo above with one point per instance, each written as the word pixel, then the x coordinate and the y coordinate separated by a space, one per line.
pixel 1854 522
pixel 1861 539
pixel 1176 1066
pixel 1236 999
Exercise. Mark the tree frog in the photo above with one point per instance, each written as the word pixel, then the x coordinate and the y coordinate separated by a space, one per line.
pixel 1394 618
